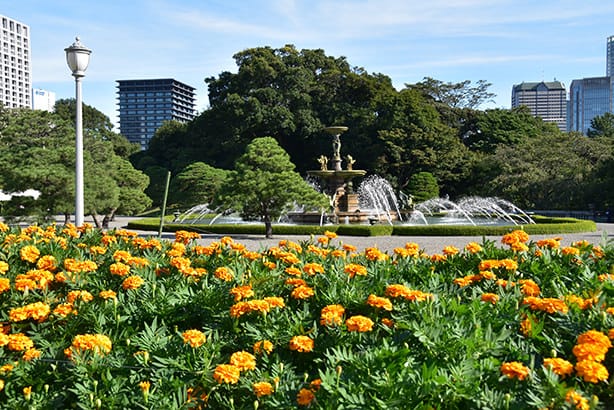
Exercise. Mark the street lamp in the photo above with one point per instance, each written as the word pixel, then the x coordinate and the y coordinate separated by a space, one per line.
pixel 78 58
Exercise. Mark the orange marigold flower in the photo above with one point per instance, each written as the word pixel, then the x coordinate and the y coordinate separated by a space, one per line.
pixel 275 301
pixel 47 262
pixel 132 282
pixel 301 344
pixel 107 294
pixel 4 267
pixel 64 309
pixel 242 292
pixel 262 389
pixel 550 305
pixel 305 397
pixel 226 373
pixel 313 268
pixel 450 250
pixel 577 400
pixel 323 240
pixel 552 243
pixel 592 372
pixel 119 269
pixel 294 271
pixel 263 346
pixel 379 302
pixel 223 273
pixel 526 326
pixel 374 254
pixel 331 315
pixel 121 256
pixel 589 351
pixel 397 290
pixel 145 386
pixel 330 235
pixel 75 295
pixel 295 282
pixel 19 342
pixel 29 253
pixel 315 384
pixel 97 343
pixel 359 323
pixel 302 292
pixel 348 248
pixel 388 322
pixel 243 360
pixel 529 288
pixel 438 257
pixel 515 370
pixel 490 298
pixel 37 311
pixel 353 269
pixel 570 250
pixel 31 354
pixel 559 366
pixel 594 337
pixel 194 338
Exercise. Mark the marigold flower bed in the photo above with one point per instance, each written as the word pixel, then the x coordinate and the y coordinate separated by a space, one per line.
pixel 110 320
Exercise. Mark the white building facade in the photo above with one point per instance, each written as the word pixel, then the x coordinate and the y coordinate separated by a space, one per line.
pixel 43 100
pixel 15 66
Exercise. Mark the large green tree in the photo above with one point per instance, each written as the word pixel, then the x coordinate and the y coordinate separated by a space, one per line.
pixel 264 185
pixel 602 126
pixel 197 184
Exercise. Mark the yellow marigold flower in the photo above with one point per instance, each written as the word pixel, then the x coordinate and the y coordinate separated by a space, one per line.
pixel 592 372
pixel 295 282
pixel 4 227
pixel 515 237
pixel 590 351
pixel 4 267
pixel 75 266
pixel 226 240
pixel 5 284
pixel 132 282
pixel 577 400
pixel 29 253
pixel 242 292
pixel 594 337
pixel 194 338
pixel 529 288
pixel 438 257
pixel 397 290
pixel 19 342
pixel 570 250
pixel 526 326
pixel 313 268
pixel 379 302
pixel 226 373
pixel 243 360
pixel 1 381
pixel 359 323
pixel 251 255
pixel 519 247
pixel 119 269
pixel 145 385
pixel 6 368
pixel 98 250
pixel 330 235
pixel 224 274
pixel 490 298
pixel 305 397
pixel 107 294
pixel 552 243
pixel 450 250
pixel 598 252
pixel 487 274
pixel 323 240
pixel 27 391
pixel 467 280
pixel 515 370
pixel 580 302
pixel 353 269
pixel 581 244
pixel 332 315
pixel 550 305
pixel 611 333
pixel 302 292
pixel 559 366
pixel 348 248
pixel 97 343
pixel 262 389
pixel 185 236
pixel 263 346
pixel 301 344
pixel 4 339
pixel 37 311
pixel 412 248
pixel 31 354
pixel 315 384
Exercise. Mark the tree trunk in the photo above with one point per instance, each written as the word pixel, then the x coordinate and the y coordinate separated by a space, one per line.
pixel 108 218
pixel 95 217
pixel 268 228
pixel 66 219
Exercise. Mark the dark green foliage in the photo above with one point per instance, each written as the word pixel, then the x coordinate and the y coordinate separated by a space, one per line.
pixel 198 183
pixel 423 186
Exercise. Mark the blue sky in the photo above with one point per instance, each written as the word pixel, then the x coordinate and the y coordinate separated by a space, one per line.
pixel 504 42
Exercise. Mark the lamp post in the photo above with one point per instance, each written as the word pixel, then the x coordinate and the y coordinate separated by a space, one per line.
pixel 78 58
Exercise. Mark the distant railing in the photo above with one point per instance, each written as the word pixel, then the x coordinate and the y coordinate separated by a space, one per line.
pixel 597 216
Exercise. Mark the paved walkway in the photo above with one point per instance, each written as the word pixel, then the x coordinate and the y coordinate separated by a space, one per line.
pixel 430 244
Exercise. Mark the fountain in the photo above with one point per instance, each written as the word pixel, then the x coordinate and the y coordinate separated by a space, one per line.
pixel 337 184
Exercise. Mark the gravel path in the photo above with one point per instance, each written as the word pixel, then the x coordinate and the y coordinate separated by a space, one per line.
pixel 430 244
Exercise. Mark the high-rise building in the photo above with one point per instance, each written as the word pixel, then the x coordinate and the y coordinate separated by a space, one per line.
pixel 43 100
pixel 589 98
pixel 609 68
pixel 546 100
pixel 15 70
pixel 145 104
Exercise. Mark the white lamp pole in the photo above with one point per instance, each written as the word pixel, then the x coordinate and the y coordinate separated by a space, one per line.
pixel 78 58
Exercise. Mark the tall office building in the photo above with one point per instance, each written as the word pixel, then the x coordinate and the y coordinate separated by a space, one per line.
pixel 15 71
pixel 546 100
pixel 145 104
pixel 589 98
pixel 609 69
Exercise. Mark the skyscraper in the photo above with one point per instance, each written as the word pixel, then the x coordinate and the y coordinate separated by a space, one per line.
pixel 588 98
pixel 609 69
pixel 546 100
pixel 15 71
pixel 145 104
